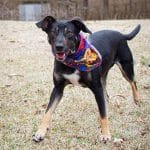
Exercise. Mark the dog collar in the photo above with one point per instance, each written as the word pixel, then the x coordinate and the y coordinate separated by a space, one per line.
pixel 86 57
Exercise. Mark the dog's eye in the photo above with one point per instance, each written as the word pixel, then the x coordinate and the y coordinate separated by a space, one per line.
pixel 53 33
pixel 52 36
pixel 69 34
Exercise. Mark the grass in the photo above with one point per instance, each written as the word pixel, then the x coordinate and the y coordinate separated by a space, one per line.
pixel 26 83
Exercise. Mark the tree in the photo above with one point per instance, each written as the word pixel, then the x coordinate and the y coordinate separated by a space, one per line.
pixel 104 9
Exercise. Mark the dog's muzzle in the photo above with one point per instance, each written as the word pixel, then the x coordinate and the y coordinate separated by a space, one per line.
pixel 60 56
pixel 60 53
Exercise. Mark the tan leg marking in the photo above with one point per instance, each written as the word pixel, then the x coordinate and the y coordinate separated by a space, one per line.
pixel 135 92
pixel 46 120
pixel 122 71
pixel 44 126
pixel 105 130
pixel 136 96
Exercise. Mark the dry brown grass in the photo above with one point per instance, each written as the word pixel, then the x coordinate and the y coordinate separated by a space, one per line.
pixel 26 65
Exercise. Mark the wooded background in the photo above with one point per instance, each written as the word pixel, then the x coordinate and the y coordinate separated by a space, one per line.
pixel 86 9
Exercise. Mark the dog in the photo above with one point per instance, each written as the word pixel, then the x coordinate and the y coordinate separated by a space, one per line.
pixel 105 48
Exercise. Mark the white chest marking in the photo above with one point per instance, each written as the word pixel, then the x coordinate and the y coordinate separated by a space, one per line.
pixel 73 78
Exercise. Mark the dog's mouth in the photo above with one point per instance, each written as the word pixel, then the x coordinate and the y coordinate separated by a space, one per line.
pixel 61 56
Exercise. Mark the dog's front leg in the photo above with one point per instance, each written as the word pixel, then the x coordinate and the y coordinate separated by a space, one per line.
pixel 54 100
pixel 97 89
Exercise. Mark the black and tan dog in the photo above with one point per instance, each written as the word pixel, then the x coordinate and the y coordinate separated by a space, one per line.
pixel 64 37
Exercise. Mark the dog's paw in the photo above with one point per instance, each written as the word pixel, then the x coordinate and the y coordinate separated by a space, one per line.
pixel 105 138
pixel 137 102
pixel 39 135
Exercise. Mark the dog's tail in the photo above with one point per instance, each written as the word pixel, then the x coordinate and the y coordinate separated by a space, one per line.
pixel 133 33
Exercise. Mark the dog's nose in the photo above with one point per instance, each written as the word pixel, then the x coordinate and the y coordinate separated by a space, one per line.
pixel 59 48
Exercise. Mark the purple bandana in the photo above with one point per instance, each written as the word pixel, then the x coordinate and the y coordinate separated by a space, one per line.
pixel 86 58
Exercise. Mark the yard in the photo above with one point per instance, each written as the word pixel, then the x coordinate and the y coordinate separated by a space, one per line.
pixel 26 66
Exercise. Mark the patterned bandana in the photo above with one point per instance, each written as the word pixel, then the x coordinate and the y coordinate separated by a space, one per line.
pixel 86 58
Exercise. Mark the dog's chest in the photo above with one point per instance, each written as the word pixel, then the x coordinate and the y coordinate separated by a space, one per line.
pixel 73 78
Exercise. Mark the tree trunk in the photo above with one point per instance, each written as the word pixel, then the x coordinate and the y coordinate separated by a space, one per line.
pixel 104 10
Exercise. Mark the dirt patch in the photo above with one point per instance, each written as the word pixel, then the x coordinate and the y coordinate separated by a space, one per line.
pixel 26 65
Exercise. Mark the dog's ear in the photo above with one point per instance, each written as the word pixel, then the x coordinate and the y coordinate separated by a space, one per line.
pixel 80 25
pixel 46 23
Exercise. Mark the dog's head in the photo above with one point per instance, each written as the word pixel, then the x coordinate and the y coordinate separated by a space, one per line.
pixel 63 35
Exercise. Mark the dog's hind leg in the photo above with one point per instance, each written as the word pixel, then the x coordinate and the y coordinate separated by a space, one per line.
pixel 54 100
pixel 127 70
pixel 126 66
